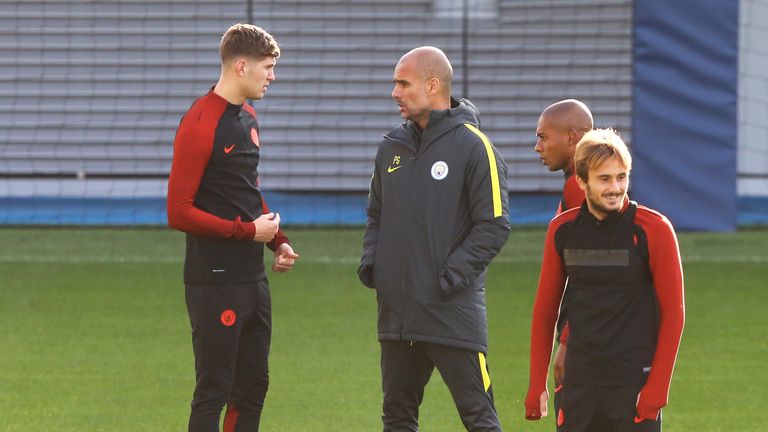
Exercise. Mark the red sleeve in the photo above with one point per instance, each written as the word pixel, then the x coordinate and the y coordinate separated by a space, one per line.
pixel 666 268
pixel 191 152
pixel 545 310
pixel 280 237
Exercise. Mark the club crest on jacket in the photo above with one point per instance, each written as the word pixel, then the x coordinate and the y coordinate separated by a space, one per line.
pixel 439 170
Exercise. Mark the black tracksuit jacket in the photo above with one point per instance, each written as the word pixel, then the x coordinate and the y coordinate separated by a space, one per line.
pixel 437 215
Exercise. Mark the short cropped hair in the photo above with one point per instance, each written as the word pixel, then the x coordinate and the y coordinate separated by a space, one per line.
pixel 247 40
pixel 596 147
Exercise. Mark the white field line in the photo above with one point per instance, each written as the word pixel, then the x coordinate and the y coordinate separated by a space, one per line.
pixel 86 259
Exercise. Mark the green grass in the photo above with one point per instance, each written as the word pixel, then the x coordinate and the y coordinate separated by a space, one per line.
pixel 94 334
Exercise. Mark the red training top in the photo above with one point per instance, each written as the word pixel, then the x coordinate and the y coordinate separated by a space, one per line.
pixel 626 307
pixel 214 194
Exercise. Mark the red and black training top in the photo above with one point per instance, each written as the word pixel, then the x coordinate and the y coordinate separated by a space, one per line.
pixel 214 195
pixel 572 196
pixel 625 303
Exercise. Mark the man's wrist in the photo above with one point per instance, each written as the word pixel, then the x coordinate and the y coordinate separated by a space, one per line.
pixel 255 234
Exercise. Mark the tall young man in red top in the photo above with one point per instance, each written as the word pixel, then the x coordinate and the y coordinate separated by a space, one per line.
pixel 561 126
pixel 626 307
pixel 214 197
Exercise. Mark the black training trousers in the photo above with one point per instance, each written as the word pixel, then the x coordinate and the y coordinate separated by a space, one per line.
pixel 405 370
pixel 602 409
pixel 231 332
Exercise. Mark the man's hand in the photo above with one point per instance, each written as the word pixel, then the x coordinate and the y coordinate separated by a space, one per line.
pixel 647 408
pixel 533 412
pixel 543 403
pixel 558 366
pixel 266 227
pixel 536 409
pixel 284 258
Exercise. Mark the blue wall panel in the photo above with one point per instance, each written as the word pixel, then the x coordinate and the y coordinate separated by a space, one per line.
pixel 295 208
pixel 684 111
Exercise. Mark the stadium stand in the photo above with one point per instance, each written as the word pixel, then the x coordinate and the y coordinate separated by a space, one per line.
pixel 91 92
pixel 96 89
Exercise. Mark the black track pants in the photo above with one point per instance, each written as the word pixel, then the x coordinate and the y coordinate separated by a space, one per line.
pixel 406 369
pixel 601 409
pixel 231 332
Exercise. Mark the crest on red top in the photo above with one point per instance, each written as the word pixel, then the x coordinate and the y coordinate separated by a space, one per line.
pixel 228 317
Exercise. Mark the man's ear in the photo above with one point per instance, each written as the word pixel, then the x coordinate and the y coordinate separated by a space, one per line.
pixel 573 136
pixel 582 184
pixel 240 67
pixel 433 86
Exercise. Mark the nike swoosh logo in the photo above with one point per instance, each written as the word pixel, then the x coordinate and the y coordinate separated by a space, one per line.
pixel 393 169
pixel 229 149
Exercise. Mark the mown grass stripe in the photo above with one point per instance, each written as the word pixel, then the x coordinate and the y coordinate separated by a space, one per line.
pixel 28 259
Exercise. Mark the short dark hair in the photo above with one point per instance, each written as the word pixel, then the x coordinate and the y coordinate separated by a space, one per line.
pixel 247 40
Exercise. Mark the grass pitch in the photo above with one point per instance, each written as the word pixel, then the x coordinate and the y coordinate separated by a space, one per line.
pixel 94 334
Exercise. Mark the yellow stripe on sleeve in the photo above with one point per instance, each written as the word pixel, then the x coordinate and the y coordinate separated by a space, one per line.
pixel 493 169
pixel 484 372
